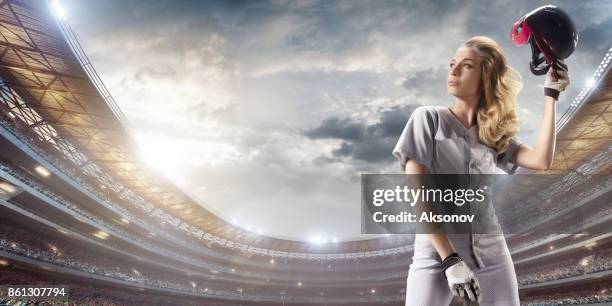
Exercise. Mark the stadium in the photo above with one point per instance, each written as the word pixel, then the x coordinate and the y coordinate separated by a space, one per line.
pixel 78 209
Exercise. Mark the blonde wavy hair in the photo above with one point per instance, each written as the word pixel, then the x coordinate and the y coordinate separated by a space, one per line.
pixel 497 116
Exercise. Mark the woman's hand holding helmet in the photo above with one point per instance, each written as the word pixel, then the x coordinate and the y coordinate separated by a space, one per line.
pixel 557 79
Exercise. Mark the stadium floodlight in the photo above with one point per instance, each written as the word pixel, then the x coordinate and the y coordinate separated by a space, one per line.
pixel 335 240
pixel 101 234
pixel 193 284
pixel 315 239
pixel 235 221
pixel 259 232
pixel 7 188
pixel 42 171
pixel 58 10
pixel 271 261
pixel 590 82
pixel 299 284
pixel 3 262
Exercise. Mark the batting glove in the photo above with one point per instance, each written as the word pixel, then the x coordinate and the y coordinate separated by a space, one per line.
pixel 461 279
pixel 557 79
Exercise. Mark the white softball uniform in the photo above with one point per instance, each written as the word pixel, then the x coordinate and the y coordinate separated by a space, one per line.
pixel 437 139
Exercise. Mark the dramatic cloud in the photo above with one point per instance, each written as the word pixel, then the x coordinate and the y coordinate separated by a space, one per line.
pixel 268 111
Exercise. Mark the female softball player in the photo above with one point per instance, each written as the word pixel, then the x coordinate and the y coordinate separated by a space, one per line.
pixel 473 136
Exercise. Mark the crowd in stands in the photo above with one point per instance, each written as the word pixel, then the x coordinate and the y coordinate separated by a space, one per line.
pixel 47 249
pixel 107 227
pixel 534 210
pixel 570 297
pixel 598 260
pixel 564 202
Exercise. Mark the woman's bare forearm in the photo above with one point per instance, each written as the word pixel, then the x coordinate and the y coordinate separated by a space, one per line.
pixel 545 145
pixel 443 245
pixel 541 156
pixel 440 241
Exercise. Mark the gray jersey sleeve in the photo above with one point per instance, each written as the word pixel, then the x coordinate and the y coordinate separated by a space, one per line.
pixel 416 141
pixel 504 160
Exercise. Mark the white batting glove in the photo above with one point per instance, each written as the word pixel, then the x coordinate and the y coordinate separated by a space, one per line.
pixel 461 279
pixel 557 79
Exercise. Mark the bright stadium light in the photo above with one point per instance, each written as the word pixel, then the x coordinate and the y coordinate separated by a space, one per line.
pixel 101 234
pixel 42 171
pixel 315 239
pixel 7 188
pixel 590 82
pixel 58 10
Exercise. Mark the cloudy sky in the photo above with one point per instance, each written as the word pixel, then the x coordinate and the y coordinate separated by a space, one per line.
pixel 268 111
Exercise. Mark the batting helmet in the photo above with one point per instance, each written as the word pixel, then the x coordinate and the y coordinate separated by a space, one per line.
pixel 551 34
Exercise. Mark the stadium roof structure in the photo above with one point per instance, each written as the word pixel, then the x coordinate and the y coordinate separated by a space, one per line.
pixel 66 104
pixel 42 62
pixel 585 129
pixel 588 130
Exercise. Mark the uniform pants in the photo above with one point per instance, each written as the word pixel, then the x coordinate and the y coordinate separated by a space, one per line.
pixel 427 285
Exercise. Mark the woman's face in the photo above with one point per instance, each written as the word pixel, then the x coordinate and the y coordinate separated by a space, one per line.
pixel 463 79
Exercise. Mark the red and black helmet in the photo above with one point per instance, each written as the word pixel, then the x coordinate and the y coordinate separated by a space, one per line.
pixel 551 34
